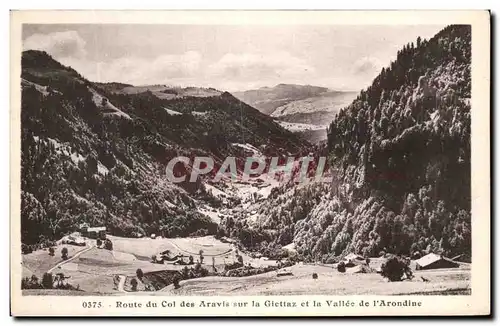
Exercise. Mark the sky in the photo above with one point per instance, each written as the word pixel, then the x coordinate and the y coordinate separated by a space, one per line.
pixel 226 57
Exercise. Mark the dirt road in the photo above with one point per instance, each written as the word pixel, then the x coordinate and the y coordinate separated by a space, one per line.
pixel 121 284
pixel 70 259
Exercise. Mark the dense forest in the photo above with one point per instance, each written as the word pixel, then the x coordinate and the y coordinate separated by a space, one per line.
pixel 401 158
pixel 92 155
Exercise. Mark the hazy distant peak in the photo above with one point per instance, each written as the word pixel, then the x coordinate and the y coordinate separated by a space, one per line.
pixel 268 99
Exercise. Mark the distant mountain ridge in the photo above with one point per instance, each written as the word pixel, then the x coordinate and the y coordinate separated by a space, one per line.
pixel 299 104
pixel 319 109
pixel 267 99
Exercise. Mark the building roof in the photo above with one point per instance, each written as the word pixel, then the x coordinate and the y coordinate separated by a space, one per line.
pixel 96 229
pixel 432 258
pixel 428 259
pixel 352 256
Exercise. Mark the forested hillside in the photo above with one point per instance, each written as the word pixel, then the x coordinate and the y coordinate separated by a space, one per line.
pixel 401 153
pixel 268 99
pixel 92 155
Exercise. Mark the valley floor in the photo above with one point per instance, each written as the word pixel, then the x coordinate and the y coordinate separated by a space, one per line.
pixel 94 269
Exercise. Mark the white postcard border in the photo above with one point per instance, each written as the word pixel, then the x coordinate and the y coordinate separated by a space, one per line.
pixel 478 303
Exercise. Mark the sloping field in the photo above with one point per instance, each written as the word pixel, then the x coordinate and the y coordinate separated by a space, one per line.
pixel 213 249
pixel 209 245
pixel 142 248
pixel 107 107
pixel 39 261
pixel 57 292
pixel 145 247
pixel 93 271
pixel 329 282
pixel 109 263
pixel 27 272
pixel 89 282
pixel 167 93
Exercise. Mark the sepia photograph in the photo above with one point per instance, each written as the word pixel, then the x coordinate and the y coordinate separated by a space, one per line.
pixel 220 160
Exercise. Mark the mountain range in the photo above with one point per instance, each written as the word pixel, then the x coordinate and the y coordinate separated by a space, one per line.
pixel 268 99
pixel 306 109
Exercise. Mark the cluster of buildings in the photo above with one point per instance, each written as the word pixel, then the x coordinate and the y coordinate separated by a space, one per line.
pixel 429 261
pixel 97 232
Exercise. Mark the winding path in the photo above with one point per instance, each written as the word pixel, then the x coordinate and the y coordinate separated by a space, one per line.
pixel 121 284
pixel 70 259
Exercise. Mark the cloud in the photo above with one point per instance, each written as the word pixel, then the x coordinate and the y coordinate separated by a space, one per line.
pixel 137 70
pixel 58 44
pixel 69 48
pixel 157 70
pixel 251 67
pixel 367 66
pixel 231 71
pixel 175 66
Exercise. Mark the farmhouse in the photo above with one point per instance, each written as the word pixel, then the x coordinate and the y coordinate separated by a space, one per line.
pixel 433 261
pixel 352 260
pixel 353 257
pixel 94 232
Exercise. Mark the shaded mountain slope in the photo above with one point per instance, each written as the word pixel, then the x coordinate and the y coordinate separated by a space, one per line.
pixel 91 154
pixel 400 154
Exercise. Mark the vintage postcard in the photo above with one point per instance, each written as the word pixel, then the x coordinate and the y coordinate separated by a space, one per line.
pixel 250 163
